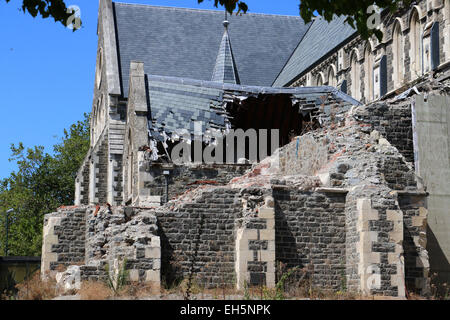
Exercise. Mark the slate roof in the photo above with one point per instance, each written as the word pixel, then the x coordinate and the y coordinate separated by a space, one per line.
pixel 177 103
pixel 321 38
pixel 184 43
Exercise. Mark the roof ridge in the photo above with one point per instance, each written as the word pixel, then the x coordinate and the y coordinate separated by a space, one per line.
pixel 205 10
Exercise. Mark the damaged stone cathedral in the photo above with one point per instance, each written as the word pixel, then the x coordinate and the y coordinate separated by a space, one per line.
pixel 355 188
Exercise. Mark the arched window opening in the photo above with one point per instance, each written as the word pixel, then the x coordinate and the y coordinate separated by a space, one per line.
pixel 355 76
pixel 98 115
pixel 331 77
pixel 319 80
pixel 99 71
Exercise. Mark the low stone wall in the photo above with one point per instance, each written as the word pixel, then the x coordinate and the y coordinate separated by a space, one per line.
pixel 199 237
pixel 310 233
pixel 361 240
pixel 97 239
pixel 64 238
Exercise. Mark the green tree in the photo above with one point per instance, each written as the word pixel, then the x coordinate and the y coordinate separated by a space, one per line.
pixel 41 184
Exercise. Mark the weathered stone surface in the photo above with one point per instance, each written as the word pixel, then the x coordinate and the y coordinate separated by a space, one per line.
pixel 70 279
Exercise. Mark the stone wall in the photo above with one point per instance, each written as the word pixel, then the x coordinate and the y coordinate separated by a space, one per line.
pixel 117 177
pixel 374 229
pixel 397 174
pixel 413 206
pixel 183 178
pixel 64 238
pixel 310 233
pixel 393 122
pixel 101 174
pixel 93 173
pixel 84 191
pixel 427 14
pixel 354 237
pixel 200 237
pixel 98 239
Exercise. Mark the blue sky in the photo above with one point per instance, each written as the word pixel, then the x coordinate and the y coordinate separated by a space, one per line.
pixel 47 71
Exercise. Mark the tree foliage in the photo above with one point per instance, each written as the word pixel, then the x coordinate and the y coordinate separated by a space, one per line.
pixel 231 5
pixel 358 12
pixel 55 9
pixel 41 184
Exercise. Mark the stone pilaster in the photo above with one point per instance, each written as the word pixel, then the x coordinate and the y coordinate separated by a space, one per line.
pixel 49 239
pixel 255 249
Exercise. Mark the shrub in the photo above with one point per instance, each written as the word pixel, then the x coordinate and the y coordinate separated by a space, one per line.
pixel 94 290
pixel 37 289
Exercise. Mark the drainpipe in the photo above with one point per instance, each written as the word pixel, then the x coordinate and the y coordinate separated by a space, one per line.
pixel 166 178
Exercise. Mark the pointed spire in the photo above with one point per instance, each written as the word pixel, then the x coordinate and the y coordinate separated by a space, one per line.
pixel 225 69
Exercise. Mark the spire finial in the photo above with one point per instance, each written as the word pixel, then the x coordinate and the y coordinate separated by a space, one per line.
pixel 226 23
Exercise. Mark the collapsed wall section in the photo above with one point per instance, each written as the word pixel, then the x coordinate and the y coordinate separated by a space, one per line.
pixel 182 178
pixel 358 158
pixel 98 242
pixel 393 121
